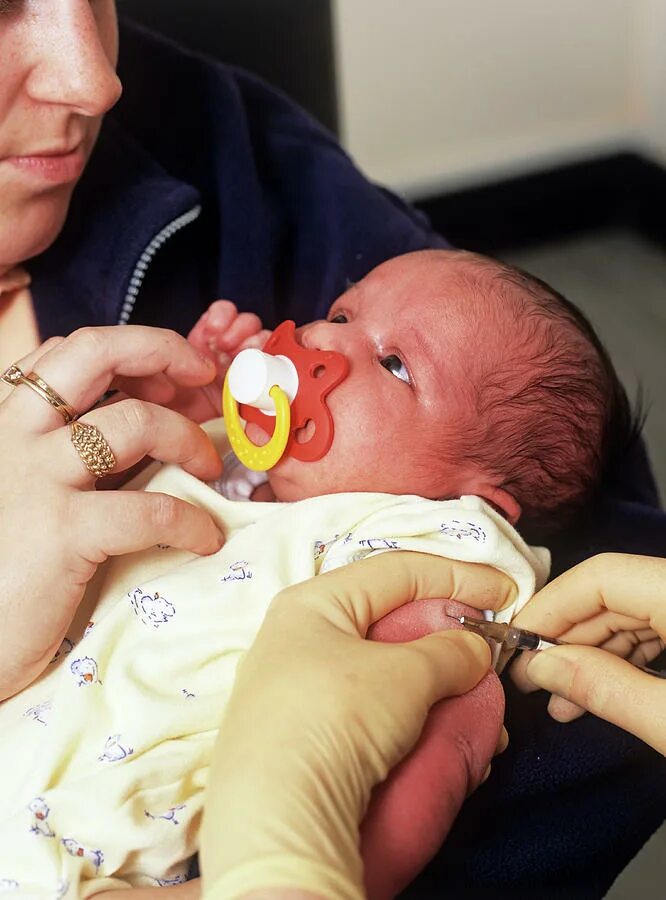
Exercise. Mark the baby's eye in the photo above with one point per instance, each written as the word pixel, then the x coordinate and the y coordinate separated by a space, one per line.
pixel 339 319
pixel 396 367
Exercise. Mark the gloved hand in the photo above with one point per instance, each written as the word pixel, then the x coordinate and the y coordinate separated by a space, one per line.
pixel 318 716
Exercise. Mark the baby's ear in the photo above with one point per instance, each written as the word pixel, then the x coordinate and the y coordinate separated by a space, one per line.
pixel 503 502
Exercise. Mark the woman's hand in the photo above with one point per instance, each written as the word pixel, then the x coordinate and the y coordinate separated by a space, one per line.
pixel 318 716
pixel 616 603
pixel 55 529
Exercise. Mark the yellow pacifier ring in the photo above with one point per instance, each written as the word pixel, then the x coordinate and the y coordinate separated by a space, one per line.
pixel 259 459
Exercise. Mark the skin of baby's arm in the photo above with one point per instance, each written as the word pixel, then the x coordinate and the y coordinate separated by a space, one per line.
pixel 191 890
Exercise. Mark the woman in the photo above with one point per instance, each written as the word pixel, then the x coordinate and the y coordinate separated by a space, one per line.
pixel 205 183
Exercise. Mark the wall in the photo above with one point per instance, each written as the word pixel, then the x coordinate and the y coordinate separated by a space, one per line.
pixel 441 93
pixel 650 76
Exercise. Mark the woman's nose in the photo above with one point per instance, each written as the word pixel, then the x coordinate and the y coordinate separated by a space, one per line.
pixel 74 55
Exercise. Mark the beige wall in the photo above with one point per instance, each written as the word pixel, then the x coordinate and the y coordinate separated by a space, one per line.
pixel 650 63
pixel 440 93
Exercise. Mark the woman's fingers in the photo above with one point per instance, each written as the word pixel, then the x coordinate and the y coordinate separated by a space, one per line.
pixel 604 627
pixel 623 583
pixel 389 580
pixel 82 366
pixel 612 601
pixel 606 686
pixel 133 430
pixel 564 710
pixel 127 521
pixel 153 388
pixel 27 362
pixel 639 645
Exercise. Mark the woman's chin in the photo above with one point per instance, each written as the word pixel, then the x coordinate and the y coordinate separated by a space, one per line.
pixel 41 220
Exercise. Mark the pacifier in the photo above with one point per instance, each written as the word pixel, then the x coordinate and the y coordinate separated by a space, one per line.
pixel 281 388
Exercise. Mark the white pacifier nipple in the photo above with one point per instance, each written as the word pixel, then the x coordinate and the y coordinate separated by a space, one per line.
pixel 253 373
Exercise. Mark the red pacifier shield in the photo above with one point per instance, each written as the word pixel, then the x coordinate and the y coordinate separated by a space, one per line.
pixel 319 371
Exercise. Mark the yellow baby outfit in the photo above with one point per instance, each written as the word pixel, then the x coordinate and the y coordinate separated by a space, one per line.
pixel 103 761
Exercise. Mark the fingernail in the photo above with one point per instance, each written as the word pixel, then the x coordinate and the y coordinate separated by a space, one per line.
pixel 206 359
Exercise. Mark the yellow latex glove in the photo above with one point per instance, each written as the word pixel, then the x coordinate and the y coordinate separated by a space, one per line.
pixel 318 716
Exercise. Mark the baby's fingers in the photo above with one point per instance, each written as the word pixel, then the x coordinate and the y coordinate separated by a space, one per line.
pixel 255 341
pixel 245 326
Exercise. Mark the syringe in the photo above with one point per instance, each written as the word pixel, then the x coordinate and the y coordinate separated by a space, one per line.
pixel 512 638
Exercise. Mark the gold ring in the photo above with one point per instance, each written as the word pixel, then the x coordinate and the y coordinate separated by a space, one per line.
pixel 15 376
pixel 93 449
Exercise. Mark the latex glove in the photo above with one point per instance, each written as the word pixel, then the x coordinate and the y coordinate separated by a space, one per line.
pixel 55 527
pixel 318 716
pixel 617 603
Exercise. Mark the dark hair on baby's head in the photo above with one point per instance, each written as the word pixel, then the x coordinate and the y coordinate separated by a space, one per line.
pixel 554 418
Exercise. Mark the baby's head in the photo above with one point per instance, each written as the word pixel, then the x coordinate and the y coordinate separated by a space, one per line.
pixel 466 376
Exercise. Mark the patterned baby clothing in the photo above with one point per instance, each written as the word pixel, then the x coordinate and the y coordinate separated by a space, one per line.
pixel 104 759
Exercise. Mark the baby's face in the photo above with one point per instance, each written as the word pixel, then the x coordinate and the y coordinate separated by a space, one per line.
pixel 406 332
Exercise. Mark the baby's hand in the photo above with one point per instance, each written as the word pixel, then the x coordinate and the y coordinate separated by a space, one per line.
pixel 222 332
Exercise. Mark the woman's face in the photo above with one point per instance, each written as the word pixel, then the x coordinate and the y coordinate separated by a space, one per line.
pixel 57 79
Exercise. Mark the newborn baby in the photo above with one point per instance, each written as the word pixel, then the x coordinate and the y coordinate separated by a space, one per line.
pixel 508 388
pixel 466 378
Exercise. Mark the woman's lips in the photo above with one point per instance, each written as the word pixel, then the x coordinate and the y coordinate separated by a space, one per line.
pixel 55 169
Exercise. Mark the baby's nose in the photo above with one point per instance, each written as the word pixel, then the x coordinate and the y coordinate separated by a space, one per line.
pixel 320 335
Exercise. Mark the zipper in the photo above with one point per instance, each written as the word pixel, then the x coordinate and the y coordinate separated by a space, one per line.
pixel 146 258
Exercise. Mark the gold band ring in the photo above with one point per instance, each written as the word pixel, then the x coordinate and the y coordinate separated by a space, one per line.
pixel 93 449
pixel 15 376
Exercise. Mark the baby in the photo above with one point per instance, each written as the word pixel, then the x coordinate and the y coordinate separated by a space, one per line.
pixel 506 384
pixel 476 396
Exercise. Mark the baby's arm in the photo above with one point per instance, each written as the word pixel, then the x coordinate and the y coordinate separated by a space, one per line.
pixel 190 890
